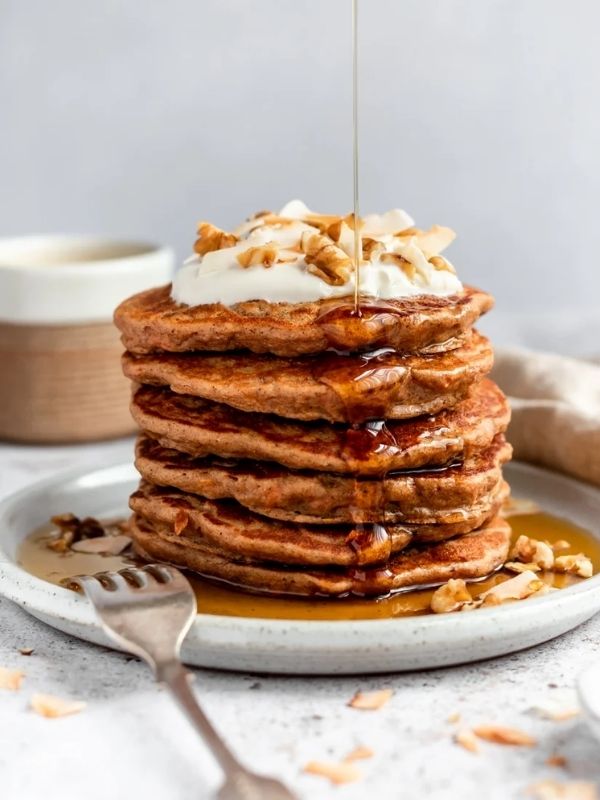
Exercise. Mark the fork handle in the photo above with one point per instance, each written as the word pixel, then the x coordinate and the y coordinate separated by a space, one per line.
pixel 178 680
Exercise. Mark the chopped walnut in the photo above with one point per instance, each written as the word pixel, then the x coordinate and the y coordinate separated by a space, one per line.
pixel 452 596
pixel 344 772
pixel 574 565
pixel 212 238
pixel 359 753
pixel 47 705
pixel 466 738
pixel 570 790
pixel 371 701
pixel 404 264
pixel 561 544
pixel 71 530
pixel 11 679
pixel 181 520
pixel 325 259
pixel 266 255
pixel 517 588
pixel 501 735
pixel 533 551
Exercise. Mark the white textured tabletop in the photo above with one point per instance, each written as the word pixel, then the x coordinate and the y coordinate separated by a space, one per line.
pixel 130 741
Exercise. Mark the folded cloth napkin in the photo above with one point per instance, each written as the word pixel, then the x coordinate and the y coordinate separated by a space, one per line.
pixel 555 410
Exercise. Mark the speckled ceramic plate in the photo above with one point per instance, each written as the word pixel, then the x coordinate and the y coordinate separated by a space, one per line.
pixel 307 647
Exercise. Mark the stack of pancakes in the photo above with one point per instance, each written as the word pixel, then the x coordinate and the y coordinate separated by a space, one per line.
pixel 320 473
pixel 302 449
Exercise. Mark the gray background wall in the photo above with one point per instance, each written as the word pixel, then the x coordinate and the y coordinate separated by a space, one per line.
pixel 138 118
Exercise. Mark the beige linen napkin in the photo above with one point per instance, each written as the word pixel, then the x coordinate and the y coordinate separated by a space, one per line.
pixel 555 410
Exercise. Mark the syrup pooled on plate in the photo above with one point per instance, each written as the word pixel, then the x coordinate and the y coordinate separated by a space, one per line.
pixel 217 598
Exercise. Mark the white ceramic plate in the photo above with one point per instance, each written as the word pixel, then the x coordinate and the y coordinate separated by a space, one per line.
pixel 307 647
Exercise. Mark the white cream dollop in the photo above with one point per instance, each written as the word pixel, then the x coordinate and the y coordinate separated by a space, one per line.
pixel 218 277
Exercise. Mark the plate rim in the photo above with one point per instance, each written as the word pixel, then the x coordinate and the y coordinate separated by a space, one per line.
pixel 78 611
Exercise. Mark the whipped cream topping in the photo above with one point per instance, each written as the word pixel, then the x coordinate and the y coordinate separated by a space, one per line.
pixel 298 256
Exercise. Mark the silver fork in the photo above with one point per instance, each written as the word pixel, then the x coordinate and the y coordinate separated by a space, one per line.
pixel 148 611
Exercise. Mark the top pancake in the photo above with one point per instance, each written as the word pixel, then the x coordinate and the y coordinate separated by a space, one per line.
pixel 151 321
pixel 340 388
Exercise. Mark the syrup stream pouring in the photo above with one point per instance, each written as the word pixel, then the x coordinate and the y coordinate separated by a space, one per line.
pixel 148 611
pixel 357 236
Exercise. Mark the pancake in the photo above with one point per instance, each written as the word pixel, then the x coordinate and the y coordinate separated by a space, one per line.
pixel 469 557
pixel 198 427
pixel 320 497
pixel 151 321
pixel 339 388
pixel 197 522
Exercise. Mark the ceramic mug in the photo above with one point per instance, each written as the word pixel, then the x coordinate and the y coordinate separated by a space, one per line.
pixel 60 369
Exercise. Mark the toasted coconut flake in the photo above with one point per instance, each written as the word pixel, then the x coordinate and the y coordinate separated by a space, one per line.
pixel 442 264
pixel 555 710
pixel 561 544
pixel 325 259
pixel 515 506
pixel 26 651
pixel 359 753
pixel 345 772
pixel 533 551
pixel 371 701
pixel 277 220
pixel 47 705
pixel 104 546
pixel 342 233
pixel 574 565
pixel 517 588
pixel 518 566
pixel 466 738
pixel 392 222
pixel 501 735
pixel 407 267
pixel 266 255
pixel 556 760
pixel 570 790
pixel 452 596
pixel 321 221
pixel 564 714
pixel 433 241
pixel 212 238
pixel 11 679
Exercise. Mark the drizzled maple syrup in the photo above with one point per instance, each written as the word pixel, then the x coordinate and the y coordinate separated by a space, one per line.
pixel 218 598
